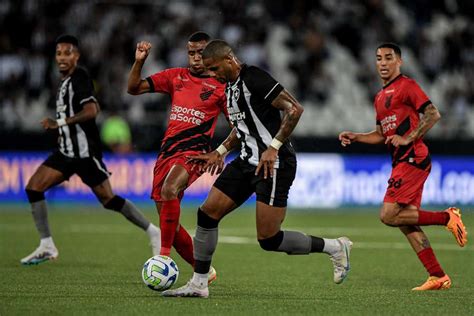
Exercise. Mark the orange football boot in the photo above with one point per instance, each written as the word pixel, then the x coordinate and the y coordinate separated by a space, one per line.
pixel 456 226
pixel 434 283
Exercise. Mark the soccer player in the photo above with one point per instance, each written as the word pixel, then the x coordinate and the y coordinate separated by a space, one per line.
pixel 398 107
pixel 79 152
pixel 263 114
pixel 196 101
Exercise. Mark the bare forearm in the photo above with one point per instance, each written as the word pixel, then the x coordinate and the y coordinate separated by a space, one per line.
pixel 429 119
pixel 373 138
pixel 89 112
pixel 292 113
pixel 134 78
pixel 232 141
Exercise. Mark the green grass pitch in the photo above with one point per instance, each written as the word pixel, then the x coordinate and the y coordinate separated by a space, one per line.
pixel 101 255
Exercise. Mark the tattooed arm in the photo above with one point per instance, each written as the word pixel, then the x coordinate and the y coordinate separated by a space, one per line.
pixel 292 113
pixel 430 117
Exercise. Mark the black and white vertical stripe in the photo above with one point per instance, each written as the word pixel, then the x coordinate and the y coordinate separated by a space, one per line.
pixel 253 126
pixel 73 141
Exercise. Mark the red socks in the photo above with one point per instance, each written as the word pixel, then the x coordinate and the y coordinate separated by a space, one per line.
pixel 428 258
pixel 432 218
pixel 171 235
pixel 169 221
pixel 183 243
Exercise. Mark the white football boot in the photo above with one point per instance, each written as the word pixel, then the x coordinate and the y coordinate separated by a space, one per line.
pixel 189 290
pixel 41 254
pixel 340 260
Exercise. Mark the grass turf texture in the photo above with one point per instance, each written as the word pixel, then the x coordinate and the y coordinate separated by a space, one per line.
pixel 101 255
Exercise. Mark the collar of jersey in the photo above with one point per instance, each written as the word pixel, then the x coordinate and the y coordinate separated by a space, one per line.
pixel 198 76
pixel 392 81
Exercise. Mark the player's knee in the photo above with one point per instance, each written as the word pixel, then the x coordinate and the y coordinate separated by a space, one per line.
pixel 271 243
pixel 169 192
pixel 115 204
pixel 388 218
pixel 34 196
pixel 205 221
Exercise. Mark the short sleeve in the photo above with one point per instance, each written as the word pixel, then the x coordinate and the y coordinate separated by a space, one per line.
pixel 416 97
pixel 162 81
pixel 262 84
pixel 83 87
pixel 223 105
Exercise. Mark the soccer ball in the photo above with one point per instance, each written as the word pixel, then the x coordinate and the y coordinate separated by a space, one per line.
pixel 160 273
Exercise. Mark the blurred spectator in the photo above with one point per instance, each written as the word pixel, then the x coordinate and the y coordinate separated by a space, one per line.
pixel 115 134
pixel 322 50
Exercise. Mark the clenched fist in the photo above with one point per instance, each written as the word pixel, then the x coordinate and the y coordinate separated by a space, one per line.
pixel 142 51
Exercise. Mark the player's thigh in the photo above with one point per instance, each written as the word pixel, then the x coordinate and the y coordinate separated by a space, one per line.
pixel 95 175
pixel 218 204
pixel 176 181
pixel 230 190
pixel 269 219
pixel 103 191
pixel 44 178
pixel 274 190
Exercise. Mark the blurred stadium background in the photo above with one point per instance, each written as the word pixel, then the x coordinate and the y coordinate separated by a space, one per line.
pixel 322 51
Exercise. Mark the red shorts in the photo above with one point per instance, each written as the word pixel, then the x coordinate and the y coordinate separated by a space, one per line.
pixel 405 185
pixel 163 167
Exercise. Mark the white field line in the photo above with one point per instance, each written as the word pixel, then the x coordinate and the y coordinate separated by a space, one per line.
pixel 227 235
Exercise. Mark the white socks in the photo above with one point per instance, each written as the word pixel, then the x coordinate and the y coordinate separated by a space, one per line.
pixel 153 231
pixel 200 279
pixel 331 246
pixel 47 242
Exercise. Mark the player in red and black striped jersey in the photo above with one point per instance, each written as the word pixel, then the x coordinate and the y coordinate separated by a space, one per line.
pixel 398 107
pixel 196 102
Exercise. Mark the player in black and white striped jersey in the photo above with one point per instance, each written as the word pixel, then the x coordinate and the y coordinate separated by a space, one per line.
pixel 264 115
pixel 79 152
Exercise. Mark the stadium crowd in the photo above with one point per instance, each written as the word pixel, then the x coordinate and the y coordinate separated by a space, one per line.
pixel 323 51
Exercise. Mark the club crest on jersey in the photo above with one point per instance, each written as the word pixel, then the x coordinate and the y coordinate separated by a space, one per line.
pixel 178 87
pixel 206 94
pixel 236 95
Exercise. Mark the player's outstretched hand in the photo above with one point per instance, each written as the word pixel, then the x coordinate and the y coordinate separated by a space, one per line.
pixel 347 138
pixel 397 140
pixel 267 162
pixel 211 162
pixel 142 51
pixel 48 123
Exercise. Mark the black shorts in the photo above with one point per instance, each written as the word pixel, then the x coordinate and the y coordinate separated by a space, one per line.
pixel 92 170
pixel 238 181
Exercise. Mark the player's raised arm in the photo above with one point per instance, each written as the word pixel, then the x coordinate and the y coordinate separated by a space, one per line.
pixel 137 85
